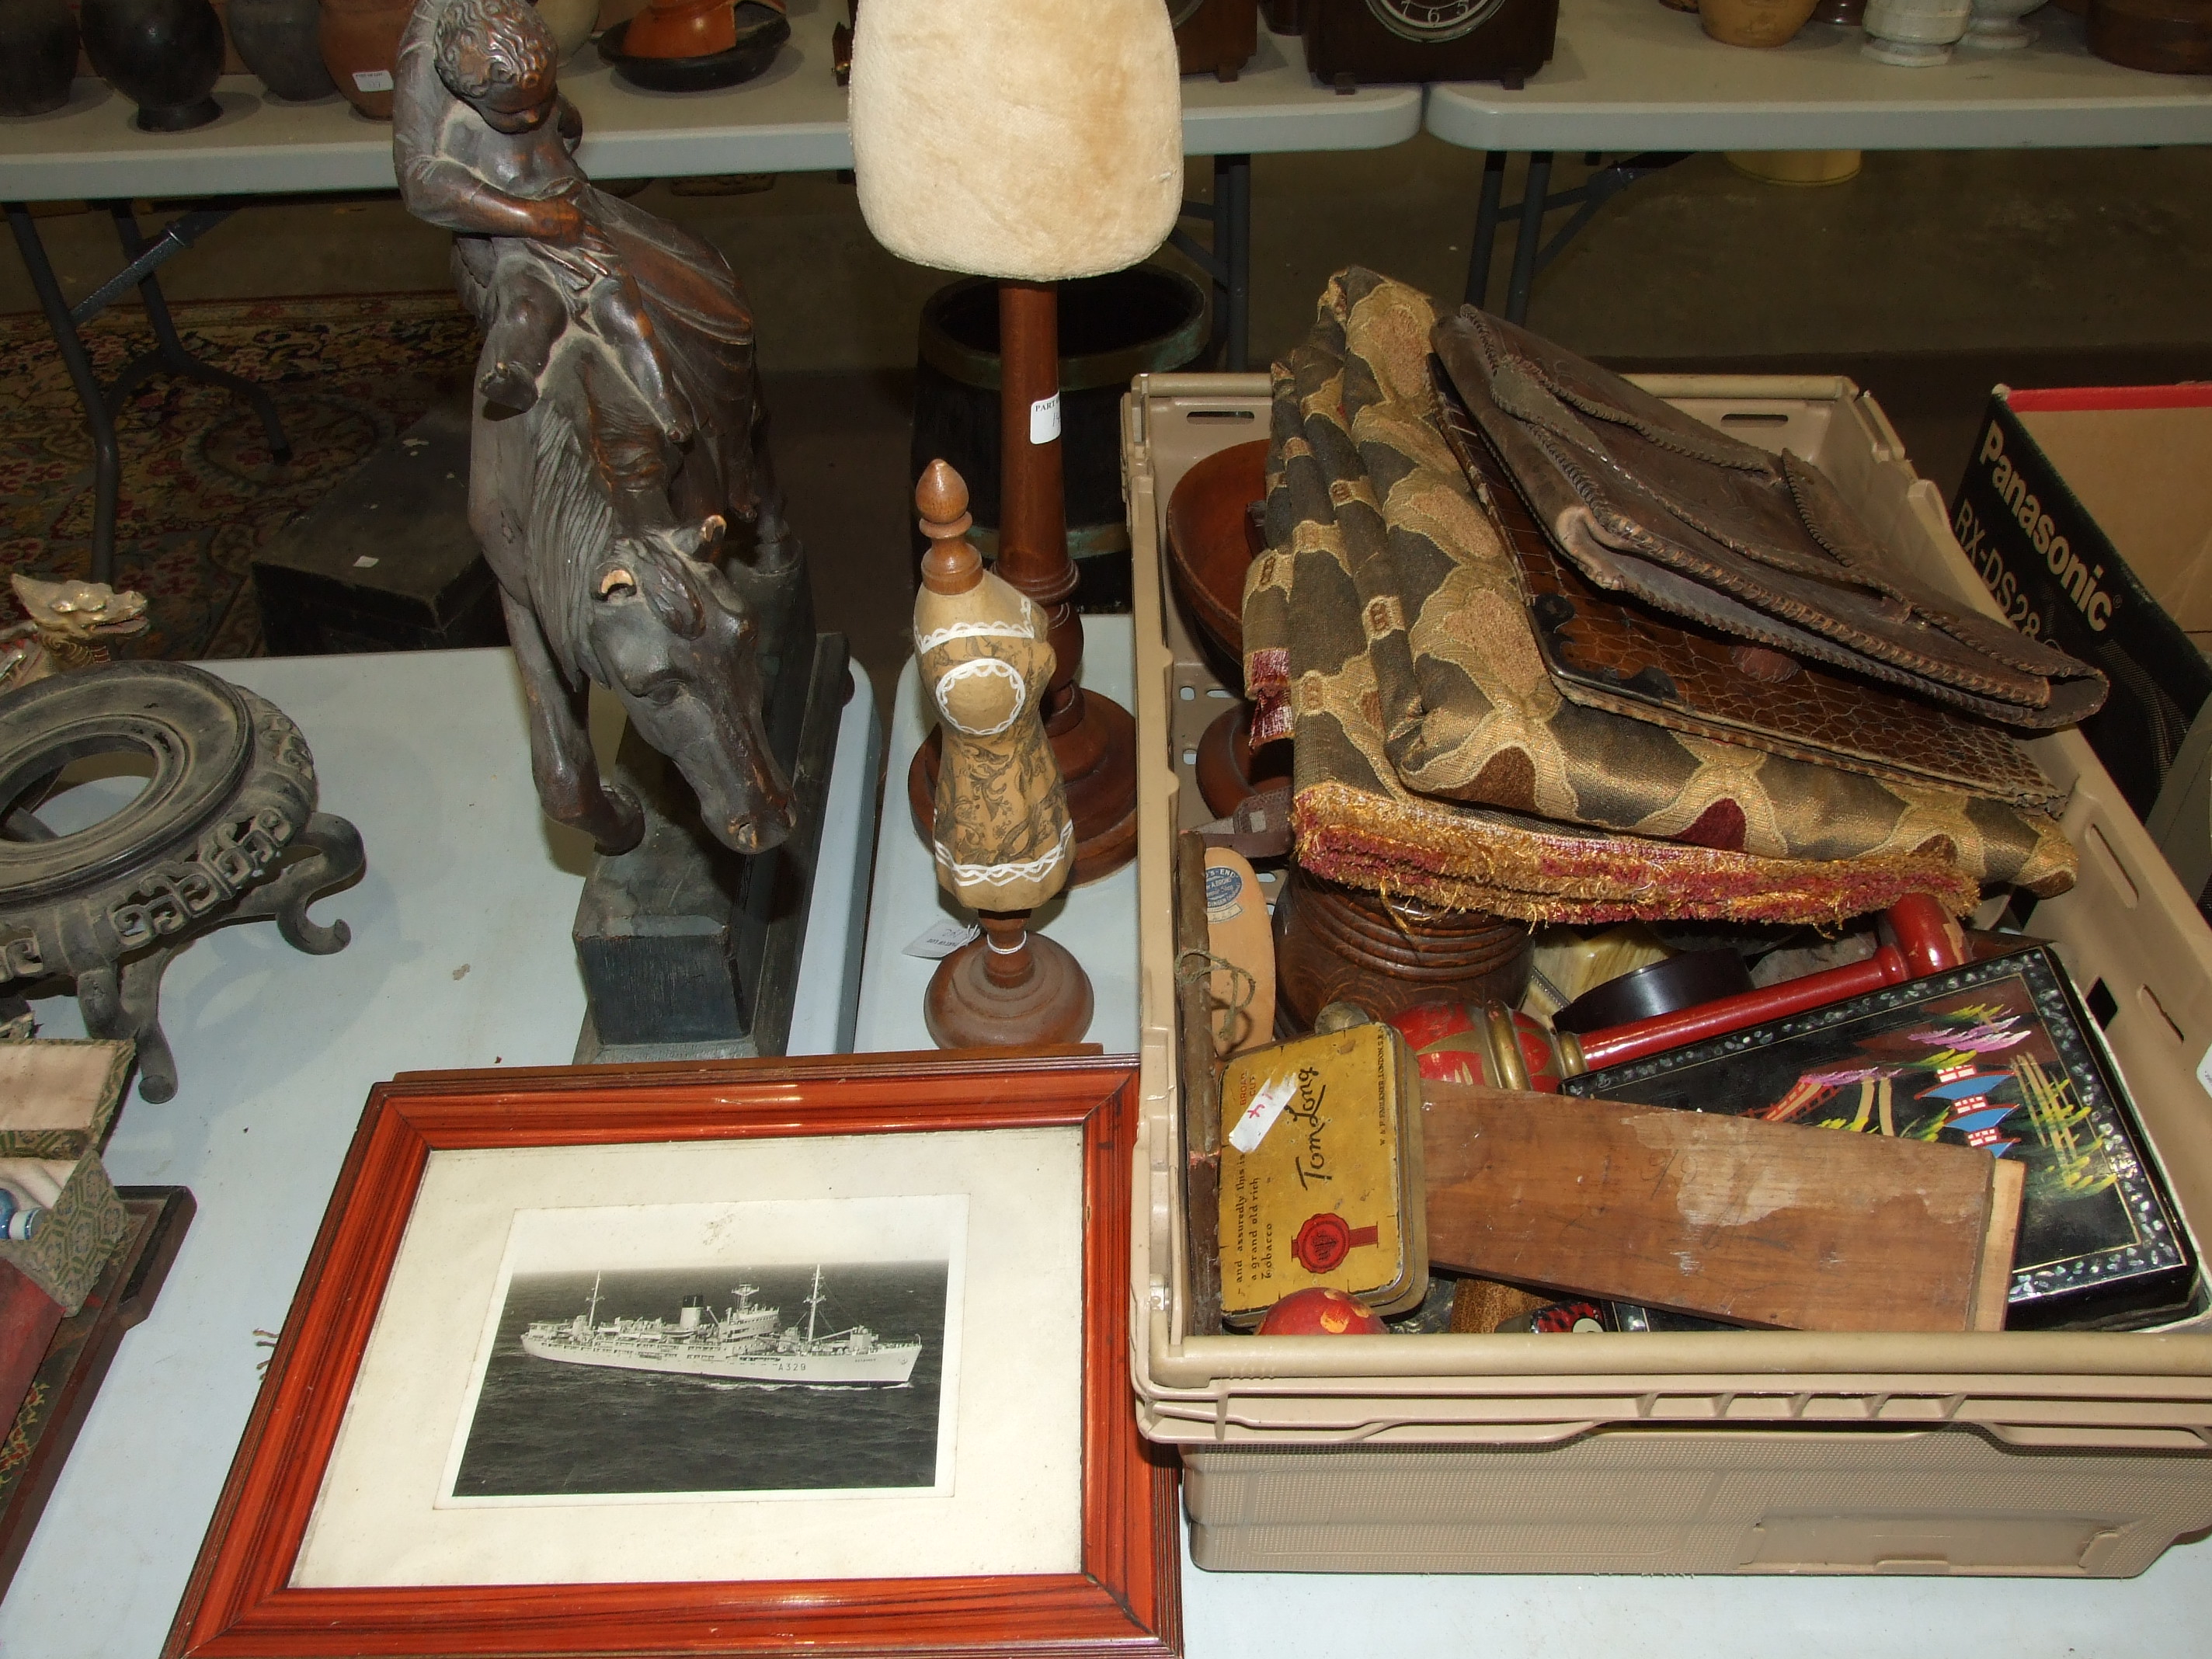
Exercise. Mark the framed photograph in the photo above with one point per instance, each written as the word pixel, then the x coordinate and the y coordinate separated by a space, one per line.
pixel 828 1355
pixel 1998 1054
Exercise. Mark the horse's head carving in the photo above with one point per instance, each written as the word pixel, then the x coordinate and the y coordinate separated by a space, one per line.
pixel 677 640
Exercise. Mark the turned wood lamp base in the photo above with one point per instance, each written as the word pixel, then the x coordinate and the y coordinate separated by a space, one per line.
pixel 1009 988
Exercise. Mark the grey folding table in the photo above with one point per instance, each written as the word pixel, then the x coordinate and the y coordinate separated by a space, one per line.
pixel 792 120
pixel 1634 80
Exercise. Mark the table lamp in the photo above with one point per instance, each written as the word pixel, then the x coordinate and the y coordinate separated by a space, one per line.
pixel 1031 141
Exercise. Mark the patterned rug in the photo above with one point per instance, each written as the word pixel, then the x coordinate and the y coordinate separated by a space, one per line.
pixel 200 495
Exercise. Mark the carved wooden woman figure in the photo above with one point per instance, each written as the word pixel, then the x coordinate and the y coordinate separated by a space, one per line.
pixel 1002 838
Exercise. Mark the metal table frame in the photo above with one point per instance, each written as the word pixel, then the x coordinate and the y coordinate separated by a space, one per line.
pixel 792 120
pixel 168 357
pixel 1635 80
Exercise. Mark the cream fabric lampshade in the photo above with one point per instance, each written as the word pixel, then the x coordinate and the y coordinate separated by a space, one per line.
pixel 1034 139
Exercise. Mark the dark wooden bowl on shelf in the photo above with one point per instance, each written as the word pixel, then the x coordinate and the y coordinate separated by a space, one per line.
pixel 2166 37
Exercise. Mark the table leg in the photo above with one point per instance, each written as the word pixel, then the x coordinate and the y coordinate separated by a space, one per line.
pixel 1486 227
pixel 1531 236
pixel 108 466
pixel 169 355
pixel 1227 258
pixel 1232 192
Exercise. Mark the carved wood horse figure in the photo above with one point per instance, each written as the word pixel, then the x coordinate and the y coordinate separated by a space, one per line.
pixel 606 530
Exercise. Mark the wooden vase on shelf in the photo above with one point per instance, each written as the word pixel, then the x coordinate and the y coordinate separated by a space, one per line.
pixel 682 28
pixel 1337 943
pixel 281 42
pixel 361 43
pixel 163 55
pixel 38 56
pixel 1754 22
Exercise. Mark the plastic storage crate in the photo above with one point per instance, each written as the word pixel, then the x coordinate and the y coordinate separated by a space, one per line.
pixel 2060 1454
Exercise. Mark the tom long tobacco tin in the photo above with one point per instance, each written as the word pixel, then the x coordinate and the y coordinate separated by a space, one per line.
pixel 1321 1173
pixel 1997 1054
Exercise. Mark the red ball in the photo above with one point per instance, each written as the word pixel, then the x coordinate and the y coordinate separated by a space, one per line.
pixel 1320 1311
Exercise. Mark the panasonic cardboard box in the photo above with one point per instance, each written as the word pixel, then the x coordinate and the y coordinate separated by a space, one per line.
pixel 2088 511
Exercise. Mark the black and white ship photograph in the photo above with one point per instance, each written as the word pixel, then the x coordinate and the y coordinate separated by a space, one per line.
pixel 636 1378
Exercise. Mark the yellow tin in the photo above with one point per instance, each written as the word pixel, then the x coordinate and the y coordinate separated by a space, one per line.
pixel 1321 1173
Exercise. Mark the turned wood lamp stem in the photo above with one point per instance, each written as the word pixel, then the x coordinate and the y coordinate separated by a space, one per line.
pixel 1033 513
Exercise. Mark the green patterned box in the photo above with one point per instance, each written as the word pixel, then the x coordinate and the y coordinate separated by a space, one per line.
pixel 85 1222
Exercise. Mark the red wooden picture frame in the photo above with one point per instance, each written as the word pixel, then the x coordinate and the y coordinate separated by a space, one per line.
pixel 1125 1601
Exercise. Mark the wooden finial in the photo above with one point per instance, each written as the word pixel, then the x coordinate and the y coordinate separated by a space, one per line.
pixel 951 565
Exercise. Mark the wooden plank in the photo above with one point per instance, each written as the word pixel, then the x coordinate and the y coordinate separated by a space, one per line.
pixel 1756 1223
pixel 1994 1286
pixel 1199 1074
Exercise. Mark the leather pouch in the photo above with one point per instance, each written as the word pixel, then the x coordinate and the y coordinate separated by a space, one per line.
pixel 1605 652
pixel 1645 502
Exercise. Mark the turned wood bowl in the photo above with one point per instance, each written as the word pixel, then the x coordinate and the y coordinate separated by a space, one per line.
pixel 1213 538
pixel 761 33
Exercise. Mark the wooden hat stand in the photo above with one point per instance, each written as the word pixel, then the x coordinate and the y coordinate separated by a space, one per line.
pixel 1032 143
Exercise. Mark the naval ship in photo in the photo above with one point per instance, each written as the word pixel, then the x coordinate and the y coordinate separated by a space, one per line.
pixel 742 1342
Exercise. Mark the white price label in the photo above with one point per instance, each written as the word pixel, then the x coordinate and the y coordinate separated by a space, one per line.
pixel 1259 1116
pixel 1045 420
pixel 371 80
pixel 2204 1071
pixel 941 939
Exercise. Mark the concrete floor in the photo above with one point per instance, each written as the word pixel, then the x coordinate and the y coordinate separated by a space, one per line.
pixel 1928 276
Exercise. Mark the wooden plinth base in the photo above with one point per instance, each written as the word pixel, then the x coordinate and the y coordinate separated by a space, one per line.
pixel 967 1007
pixel 688 950
pixel 1098 759
pixel 1230 771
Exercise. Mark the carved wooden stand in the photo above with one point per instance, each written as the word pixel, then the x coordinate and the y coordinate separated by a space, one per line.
pixel 225 830
pixel 1093 738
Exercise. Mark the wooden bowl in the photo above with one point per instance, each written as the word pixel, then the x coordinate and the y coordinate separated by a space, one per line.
pixel 2166 37
pixel 1212 540
pixel 761 33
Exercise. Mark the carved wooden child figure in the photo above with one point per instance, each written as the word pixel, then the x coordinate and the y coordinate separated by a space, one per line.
pixel 1002 837
pixel 517 168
